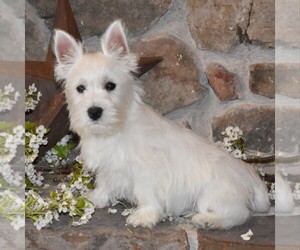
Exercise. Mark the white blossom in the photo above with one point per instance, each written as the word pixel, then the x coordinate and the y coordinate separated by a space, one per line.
pixel 9 143
pixel 247 236
pixel 7 98
pixel 112 210
pixel 127 212
pixel 12 208
pixel 18 222
pixel 33 176
pixel 32 98
pixel 232 142
pixel 12 177
pixel 51 156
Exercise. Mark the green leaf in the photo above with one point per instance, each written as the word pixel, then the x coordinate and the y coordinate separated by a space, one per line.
pixel 29 126
pixel 4 126
pixel 90 186
pixel 80 204
pixel 53 195
pixel 70 146
pixel 62 151
pixel 28 184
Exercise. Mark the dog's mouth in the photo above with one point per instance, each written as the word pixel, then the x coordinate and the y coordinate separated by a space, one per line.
pixel 96 128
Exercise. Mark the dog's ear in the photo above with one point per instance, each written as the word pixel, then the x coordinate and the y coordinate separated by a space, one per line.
pixel 114 40
pixel 67 52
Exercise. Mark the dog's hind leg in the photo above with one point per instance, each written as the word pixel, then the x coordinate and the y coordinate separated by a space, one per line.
pixel 214 220
pixel 220 210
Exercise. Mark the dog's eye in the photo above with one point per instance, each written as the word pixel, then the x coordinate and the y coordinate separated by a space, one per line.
pixel 80 89
pixel 110 86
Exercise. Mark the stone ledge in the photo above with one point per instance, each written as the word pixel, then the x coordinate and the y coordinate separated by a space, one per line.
pixel 105 231
pixel 108 231
pixel 263 229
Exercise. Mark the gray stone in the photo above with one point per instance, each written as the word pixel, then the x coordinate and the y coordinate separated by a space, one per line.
pixel 17 6
pixel 262 79
pixel 224 83
pixel 12 32
pixel 288 79
pixel 94 16
pixel 256 121
pixel 37 35
pixel 287 23
pixel 105 231
pixel 218 25
pixel 196 115
pixel 11 238
pixel 174 83
pixel 46 9
pixel 261 28
pixel 287 129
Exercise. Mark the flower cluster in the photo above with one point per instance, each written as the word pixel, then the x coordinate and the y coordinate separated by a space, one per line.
pixel 10 138
pixel 34 138
pixel 11 177
pixel 12 209
pixel 11 205
pixel 296 192
pixel 59 154
pixel 8 97
pixel 68 198
pixel 32 98
pixel 233 142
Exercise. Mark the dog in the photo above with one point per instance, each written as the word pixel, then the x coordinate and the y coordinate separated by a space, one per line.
pixel 140 156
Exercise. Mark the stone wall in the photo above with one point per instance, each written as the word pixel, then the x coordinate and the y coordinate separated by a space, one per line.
pixel 218 66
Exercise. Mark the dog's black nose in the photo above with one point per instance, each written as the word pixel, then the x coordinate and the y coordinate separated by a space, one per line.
pixel 95 113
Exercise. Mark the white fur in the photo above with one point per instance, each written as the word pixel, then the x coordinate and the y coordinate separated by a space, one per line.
pixel 144 158
pixel 283 196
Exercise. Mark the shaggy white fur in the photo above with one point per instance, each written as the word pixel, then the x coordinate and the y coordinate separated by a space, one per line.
pixel 139 155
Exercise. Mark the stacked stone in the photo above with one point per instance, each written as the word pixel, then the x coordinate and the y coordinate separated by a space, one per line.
pixel 218 66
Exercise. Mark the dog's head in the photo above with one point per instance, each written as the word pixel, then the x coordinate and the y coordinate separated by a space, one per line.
pixel 99 87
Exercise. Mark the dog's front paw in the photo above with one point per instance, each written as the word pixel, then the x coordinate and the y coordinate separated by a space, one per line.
pixel 144 217
pixel 99 200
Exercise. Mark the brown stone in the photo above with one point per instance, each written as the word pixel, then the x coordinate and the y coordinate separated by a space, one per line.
pixel 256 121
pixel 174 83
pixel 105 231
pixel 262 79
pixel 288 79
pixel 263 229
pixel 94 16
pixel 261 28
pixel 287 23
pixel 223 82
pixel 37 35
pixel 216 24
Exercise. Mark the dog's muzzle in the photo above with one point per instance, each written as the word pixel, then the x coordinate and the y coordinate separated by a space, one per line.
pixel 95 113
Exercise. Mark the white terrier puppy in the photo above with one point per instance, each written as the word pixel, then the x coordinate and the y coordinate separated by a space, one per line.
pixel 142 157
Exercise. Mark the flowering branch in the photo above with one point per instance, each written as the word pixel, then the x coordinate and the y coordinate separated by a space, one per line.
pixel 68 198
pixel 234 142
pixel 32 98
pixel 34 138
